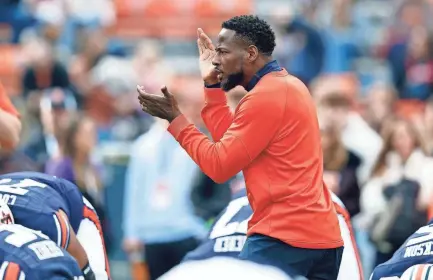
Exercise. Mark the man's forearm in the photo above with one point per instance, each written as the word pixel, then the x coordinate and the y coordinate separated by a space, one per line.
pixel 10 126
pixel 216 114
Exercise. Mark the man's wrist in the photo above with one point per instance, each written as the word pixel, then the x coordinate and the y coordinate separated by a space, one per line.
pixel 175 115
pixel 88 272
pixel 177 125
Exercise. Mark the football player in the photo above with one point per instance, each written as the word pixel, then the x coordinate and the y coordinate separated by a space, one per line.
pixel 29 255
pixel 417 250
pixel 56 208
pixel 228 234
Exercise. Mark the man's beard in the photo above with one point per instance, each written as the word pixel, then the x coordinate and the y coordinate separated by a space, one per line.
pixel 232 81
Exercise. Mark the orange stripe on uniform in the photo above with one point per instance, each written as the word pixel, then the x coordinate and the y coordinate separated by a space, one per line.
pixel 341 211
pixel 91 215
pixel 418 275
pixel 64 230
pixel 12 271
pixel 430 210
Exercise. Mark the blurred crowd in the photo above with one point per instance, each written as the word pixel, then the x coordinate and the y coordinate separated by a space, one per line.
pixel 72 66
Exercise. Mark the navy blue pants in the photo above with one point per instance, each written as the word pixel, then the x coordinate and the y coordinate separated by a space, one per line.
pixel 314 264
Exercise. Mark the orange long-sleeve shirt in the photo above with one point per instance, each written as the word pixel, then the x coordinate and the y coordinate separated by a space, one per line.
pixel 274 138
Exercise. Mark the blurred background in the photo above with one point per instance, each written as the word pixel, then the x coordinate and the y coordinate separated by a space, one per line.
pixel 71 68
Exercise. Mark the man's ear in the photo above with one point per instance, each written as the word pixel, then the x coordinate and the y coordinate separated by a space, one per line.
pixel 252 53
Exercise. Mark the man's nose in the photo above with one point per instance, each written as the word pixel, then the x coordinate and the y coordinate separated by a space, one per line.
pixel 216 61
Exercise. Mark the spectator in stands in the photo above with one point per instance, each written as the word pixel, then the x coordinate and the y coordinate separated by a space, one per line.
pixel 99 84
pixel 340 166
pixel 93 49
pixel 88 15
pixel 148 65
pixel 419 65
pixel 56 107
pixel 428 126
pixel 111 102
pixel 112 73
pixel 410 15
pixel 380 105
pixel 42 73
pixel 339 37
pixel 399 190
pixel 302 50
pixel 77 139
pixel 159 217
pixel 51 16
pixel 357 135
pixel 13 13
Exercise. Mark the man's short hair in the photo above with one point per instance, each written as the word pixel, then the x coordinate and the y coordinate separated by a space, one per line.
pixel 336 100
pixel 253 31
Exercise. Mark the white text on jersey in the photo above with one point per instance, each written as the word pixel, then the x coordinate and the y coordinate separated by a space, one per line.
pixel 423 249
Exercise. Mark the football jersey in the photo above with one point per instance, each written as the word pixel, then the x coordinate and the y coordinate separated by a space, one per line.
pixel 35 199
pixel 350 267
pixel 416 250
pixel 228 233
pixel 29 255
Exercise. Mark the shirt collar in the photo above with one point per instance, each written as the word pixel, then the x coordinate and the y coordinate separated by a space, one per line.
pixel 272 66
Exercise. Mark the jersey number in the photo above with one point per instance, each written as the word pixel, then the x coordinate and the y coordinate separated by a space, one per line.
pixel 425 231
pixel 223 227
pixel 19 188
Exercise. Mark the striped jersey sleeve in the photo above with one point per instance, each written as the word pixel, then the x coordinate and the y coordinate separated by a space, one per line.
pixel 11 271
pixel 63 230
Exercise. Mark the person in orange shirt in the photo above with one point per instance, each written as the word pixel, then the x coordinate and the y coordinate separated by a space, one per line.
pixel 273 137
pixel 10 124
